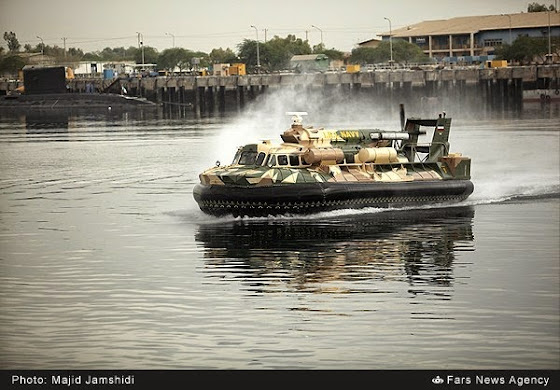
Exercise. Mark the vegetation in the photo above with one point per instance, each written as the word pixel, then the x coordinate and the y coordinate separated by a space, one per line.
pixel 174 58
pixel 536 7
pixel 12 41
pixel 403 52
pixel 11 64
pixel 221 56
pixel 170 59
pixel 111 54
pixel 333 54
pixel 274 54
pixel 525 50
pixel 56 52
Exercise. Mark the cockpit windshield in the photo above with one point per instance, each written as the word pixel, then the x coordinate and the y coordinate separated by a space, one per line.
pixel 245 158
pixel 252 157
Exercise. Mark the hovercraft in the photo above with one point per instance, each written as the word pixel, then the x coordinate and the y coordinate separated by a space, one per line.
pixel 317 169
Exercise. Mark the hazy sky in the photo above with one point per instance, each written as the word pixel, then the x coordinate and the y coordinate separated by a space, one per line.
pixel 204 25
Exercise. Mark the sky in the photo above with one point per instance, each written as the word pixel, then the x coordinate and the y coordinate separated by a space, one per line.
pixel 206 25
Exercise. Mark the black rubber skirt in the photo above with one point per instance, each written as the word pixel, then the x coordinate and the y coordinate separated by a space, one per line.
pixel 308 198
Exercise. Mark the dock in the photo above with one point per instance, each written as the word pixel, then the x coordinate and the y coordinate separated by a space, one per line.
pixel 488 88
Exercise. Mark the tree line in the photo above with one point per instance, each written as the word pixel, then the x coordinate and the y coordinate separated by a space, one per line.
pixel 274 54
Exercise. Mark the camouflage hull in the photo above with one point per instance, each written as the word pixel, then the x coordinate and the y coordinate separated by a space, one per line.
pixel 310 198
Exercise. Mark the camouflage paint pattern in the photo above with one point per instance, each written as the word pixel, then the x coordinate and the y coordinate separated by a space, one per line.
pixel 287 163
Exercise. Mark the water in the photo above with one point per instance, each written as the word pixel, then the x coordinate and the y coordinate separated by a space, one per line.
pixel 106 261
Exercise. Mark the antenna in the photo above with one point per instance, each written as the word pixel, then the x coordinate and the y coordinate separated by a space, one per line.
pixel 402 116
pixel 296 116
pixel 301 113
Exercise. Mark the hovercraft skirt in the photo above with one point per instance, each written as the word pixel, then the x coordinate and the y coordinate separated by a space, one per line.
pixel 316 197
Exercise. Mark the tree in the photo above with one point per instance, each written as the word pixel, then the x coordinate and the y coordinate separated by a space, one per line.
pixel 75 53
pixel 71 54
pixel 526 49
pixel 248 52
pixel 176 57
pixel 406 52
pixel 277 52
pixel 92 56
pixel 221 56
pixel 365 55
pixel 274 54
pixel 287 48
pixel 403 52
pixel 150 55
pixel 203 58
pixel 113 54
pixel 11 64
pixel 536 7
pixel 12 41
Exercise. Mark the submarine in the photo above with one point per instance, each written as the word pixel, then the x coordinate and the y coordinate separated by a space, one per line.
pixel 318 169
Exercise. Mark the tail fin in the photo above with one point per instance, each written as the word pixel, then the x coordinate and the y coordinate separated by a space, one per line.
pixel 440 140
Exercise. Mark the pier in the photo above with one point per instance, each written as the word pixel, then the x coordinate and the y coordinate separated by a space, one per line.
pixel 473 88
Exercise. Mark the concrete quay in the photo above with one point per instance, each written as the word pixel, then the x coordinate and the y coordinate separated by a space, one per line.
pixel 497 88
pixel 493 88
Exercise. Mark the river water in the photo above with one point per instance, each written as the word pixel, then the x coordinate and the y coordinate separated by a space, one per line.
pixel 106 262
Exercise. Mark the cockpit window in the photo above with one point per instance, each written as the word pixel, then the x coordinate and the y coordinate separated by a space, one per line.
pixel 282 159
pixel 260 158
pixel 236 157
pixel 271 161
pixel 294 160
pixel 247 158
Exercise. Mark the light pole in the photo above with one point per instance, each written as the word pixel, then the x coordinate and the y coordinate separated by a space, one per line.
pixel 43 50
pixel 390 41
pixel 42 46
pixel 173 36
pixel 321 31
pixel 258 56
pixel 549 55
pixel 141 46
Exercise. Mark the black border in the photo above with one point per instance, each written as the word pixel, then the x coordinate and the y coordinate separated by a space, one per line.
pixel 375 379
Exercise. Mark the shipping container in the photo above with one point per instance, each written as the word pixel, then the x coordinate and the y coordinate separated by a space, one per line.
pixel 499 63
pixel 237 69
pixel 496 64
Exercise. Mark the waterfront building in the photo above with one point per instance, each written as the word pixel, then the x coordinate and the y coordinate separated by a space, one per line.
pixel 467 37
